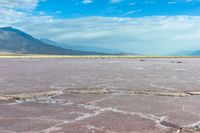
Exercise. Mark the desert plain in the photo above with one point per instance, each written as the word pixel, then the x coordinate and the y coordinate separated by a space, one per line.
pixel 100 95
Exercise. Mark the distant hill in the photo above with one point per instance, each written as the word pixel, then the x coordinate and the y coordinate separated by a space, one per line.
pixel 82 47
pixel 195 53
pixel 187 53
pixel 15 41
pixel 182 53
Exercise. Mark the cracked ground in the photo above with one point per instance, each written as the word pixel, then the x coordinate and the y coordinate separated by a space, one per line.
pixel 100 95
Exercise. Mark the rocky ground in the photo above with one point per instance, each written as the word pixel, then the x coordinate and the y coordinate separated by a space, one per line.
pixel 100 95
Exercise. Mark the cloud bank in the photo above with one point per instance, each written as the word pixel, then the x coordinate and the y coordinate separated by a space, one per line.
pixel 155 35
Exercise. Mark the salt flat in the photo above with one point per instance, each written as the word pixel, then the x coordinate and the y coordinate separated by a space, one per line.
pixel 150 95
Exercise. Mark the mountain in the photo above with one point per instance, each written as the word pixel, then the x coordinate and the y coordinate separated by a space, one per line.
pixel 15 41
pixel 195 53
pixel 182 53
pixel 82 48
pixel 187 53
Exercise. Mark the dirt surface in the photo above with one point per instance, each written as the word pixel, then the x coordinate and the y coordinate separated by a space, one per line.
pixel 100 95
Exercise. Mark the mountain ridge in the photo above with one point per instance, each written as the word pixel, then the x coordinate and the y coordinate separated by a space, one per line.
pixel 86 48
pixel 81 47
pixel 187 53
pixel 16 41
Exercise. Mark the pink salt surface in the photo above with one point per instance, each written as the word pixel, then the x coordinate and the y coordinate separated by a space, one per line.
pixel 109 108
pixel 115 122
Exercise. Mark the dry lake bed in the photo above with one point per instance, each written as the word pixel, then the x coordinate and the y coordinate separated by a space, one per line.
pixel 100 95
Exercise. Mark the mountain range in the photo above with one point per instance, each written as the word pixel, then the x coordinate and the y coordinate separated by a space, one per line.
pixel 82 47
pixel 196 53
pixel 15 41
pixel 187 53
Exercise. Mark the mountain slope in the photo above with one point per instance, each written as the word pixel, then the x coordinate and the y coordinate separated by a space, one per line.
pixel 182 53
pixel 187 53
pixel 81 47
pixel 15 41
pixel 195 53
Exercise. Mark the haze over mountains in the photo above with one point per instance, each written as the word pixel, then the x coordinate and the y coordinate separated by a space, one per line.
pixel 187 53
pixel 82 47
pixel 15 41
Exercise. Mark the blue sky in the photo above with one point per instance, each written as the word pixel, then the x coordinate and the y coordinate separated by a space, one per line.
pixel 119 8
pixel 151 27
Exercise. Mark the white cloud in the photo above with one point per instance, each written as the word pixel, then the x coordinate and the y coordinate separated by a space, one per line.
pixel 16 10
pixel 115 1
pixel 26 5
pixel 150 35
pixel 133 3
pixel 172 2
pixel 132 12
pixel 87 1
